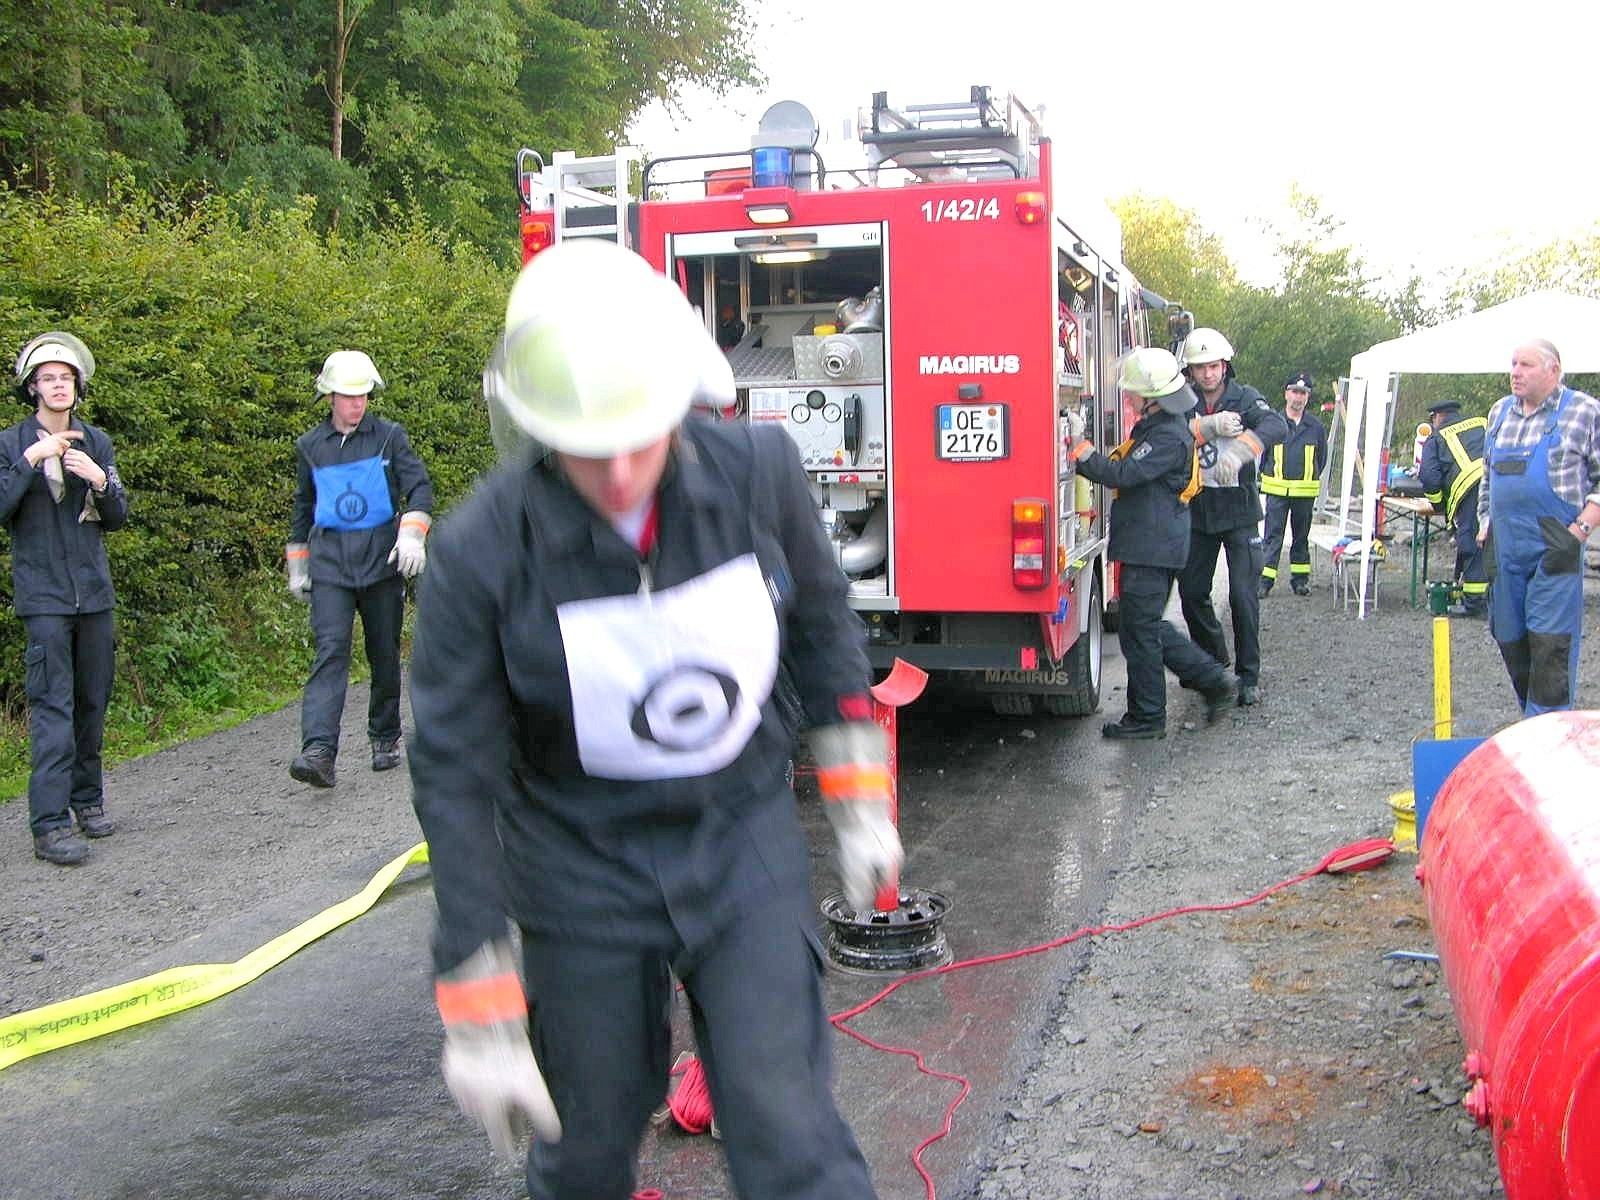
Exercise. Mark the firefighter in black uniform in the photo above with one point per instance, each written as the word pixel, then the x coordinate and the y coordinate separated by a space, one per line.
pixel 59 496
pixel 361 516
pixel 1233 425
pixel 598 755
pixel 1155 474
pixel 1291 476
pixel 1450 472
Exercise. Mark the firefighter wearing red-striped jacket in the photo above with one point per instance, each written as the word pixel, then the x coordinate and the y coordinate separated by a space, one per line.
pixel 1451 472
pixel 1291 475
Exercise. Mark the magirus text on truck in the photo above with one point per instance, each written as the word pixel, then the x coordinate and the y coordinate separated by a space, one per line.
pixel 920 315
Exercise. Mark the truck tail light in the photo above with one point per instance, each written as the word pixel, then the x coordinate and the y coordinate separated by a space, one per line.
pixel 1030 207
pixel 537 234
pixel 1028 543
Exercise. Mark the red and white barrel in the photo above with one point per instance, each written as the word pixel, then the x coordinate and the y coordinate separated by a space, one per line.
pixel 1510 869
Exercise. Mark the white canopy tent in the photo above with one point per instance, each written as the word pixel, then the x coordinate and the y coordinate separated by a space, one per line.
pixel 1479 343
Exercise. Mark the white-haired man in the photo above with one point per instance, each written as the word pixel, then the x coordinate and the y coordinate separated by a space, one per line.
pixel 1539 501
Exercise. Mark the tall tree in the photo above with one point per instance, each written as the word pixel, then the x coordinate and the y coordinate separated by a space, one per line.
pixel 378 110
pixel 1172 254
pixel 1323 310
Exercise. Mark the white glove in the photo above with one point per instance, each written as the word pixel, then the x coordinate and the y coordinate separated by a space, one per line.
pixel 1232 455
pixel 853 773
pixel 1076 425
pixel 1214 426
pixel 410 552
pixel 298 557
pixel 488 1064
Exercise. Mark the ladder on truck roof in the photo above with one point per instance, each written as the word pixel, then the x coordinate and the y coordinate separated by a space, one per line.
pixel 575 189
pixel 978 138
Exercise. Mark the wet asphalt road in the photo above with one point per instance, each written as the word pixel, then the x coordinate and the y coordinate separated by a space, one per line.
pixel 319 1080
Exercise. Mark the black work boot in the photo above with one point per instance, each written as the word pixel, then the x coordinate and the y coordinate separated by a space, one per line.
pixel 1263 586
pixel 1300 587
pixel 1129 730
pixel 1219 699
pixel 1249 694
pixel 386 754
pixel 60 846
pixel 314 767
pixel 93 821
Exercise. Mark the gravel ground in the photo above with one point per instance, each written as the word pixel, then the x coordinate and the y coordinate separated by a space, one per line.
pixel 1267 1052
pixel 1273 1051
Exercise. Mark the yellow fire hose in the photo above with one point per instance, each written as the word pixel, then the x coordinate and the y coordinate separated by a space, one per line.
pixel 67 1022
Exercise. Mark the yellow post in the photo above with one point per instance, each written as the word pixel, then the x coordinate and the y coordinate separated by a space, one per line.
pixel 1441 677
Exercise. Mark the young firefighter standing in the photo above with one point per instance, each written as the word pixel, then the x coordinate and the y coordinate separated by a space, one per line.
pixel 59 494
pixel 1153 472
pixel 1291 477
pixel 1233 425
pixel 348 554
pixel 598 755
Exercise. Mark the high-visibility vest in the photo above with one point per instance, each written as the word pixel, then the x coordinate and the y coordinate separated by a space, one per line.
pixel 1469 470
pixel 1277 482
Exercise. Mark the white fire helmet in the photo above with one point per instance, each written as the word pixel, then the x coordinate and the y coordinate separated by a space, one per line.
pixel 1205 346
pixel 55 346
pixel 1153 374
pixel 602 355
pixel 350 373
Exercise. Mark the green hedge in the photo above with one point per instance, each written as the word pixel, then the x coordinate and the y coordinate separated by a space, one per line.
pixel 209 321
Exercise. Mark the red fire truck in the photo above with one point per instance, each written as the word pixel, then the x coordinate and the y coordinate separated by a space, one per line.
pixel 921 326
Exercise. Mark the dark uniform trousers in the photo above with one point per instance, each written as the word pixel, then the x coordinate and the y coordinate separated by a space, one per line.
pixel 1243 547
pixel 767 1058
pixel 1150 644
pixel 1295 512
pixel 333 610
pixel 1472 569
pixel 69 664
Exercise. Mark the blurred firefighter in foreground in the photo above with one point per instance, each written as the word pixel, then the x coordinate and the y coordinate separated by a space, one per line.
pixel 598 756
pixel 1156 475
pixel 1234 425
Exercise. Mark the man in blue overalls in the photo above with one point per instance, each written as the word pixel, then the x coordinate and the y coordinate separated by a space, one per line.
pixel 1539 501
pixel 361 516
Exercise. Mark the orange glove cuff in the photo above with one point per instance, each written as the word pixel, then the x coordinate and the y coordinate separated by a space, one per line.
pixel 488 1001
pixel 1082 451
pixel 1251 440
pixel 854 781
pixel 301 552
pixel 418 520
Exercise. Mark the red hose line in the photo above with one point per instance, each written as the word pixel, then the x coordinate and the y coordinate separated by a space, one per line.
pixel 690 1103
pixel 1358 856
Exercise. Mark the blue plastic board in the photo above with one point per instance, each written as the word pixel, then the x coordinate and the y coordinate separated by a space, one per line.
pixel 1431 764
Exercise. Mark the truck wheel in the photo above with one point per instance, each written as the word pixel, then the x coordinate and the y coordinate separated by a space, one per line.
pixel 1011 704
pixel 1082 666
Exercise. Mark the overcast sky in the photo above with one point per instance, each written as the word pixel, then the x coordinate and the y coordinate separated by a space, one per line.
pixel 1439 132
